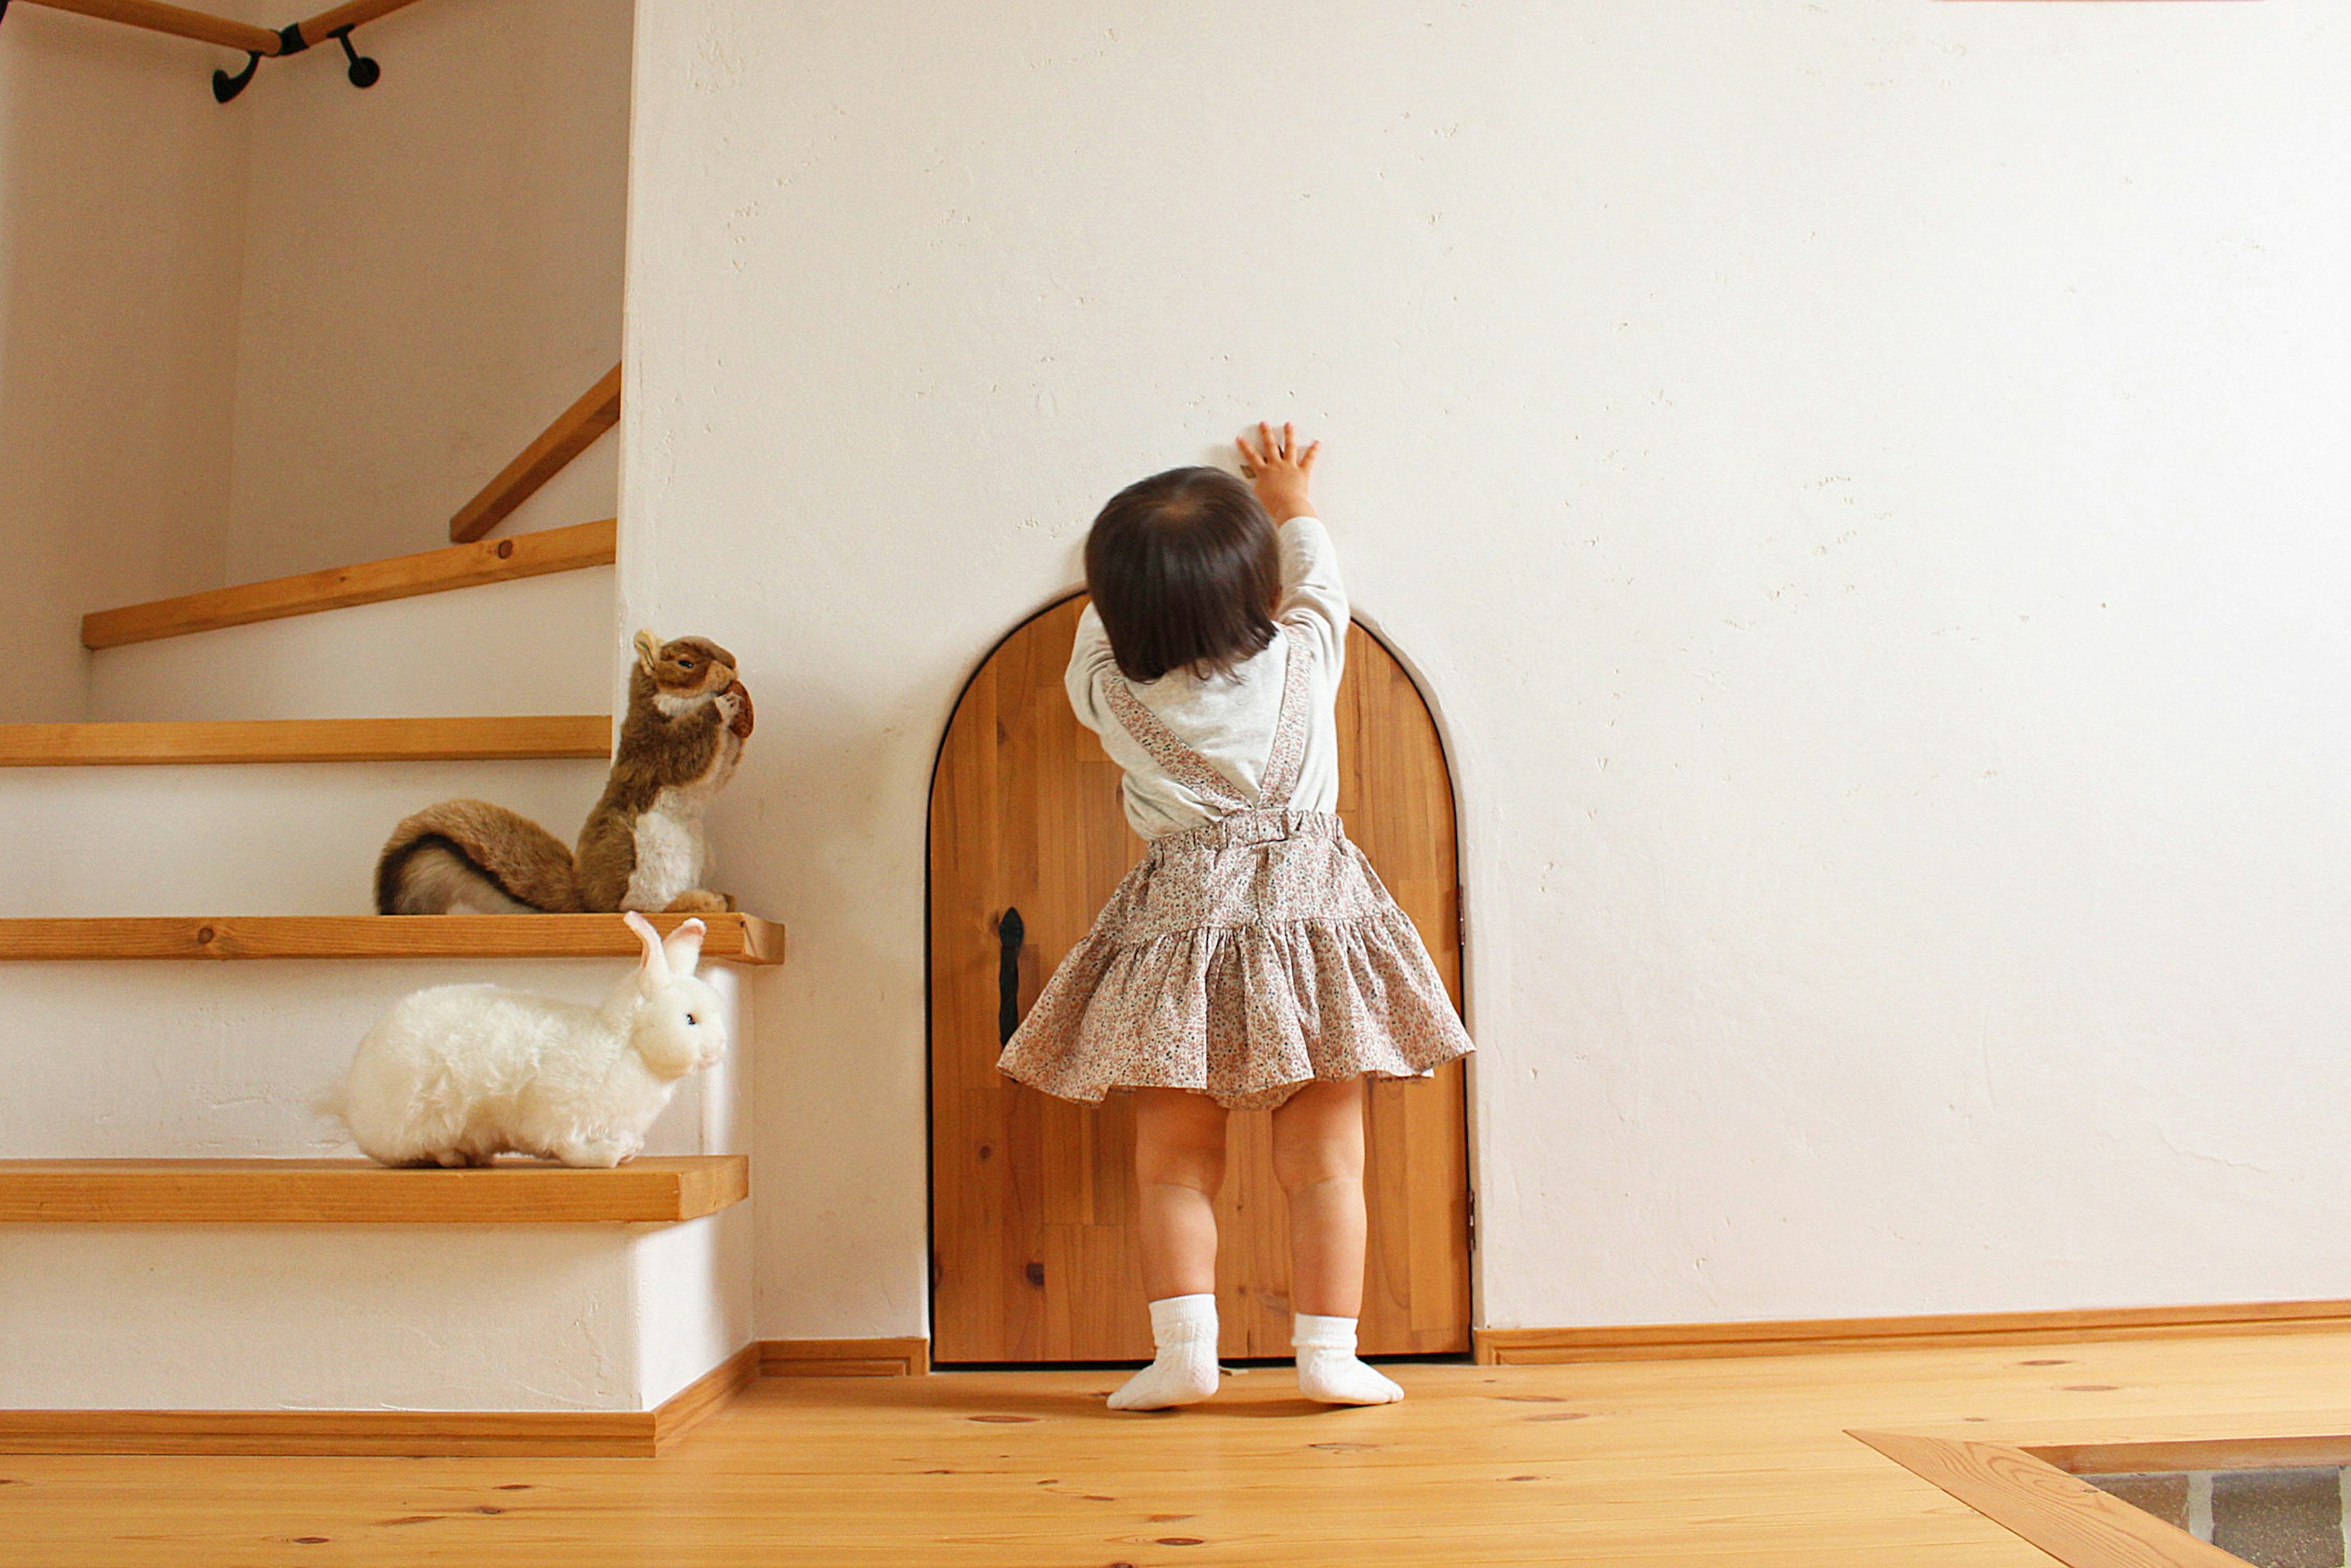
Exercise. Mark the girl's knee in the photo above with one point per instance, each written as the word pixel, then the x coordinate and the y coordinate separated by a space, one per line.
pixel 1318 1135
pixel 1179 1139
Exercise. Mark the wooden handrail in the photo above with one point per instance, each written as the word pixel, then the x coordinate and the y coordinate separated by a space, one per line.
pixel 178 21
pixel 356 13
pixel 369 583
pixel 573 432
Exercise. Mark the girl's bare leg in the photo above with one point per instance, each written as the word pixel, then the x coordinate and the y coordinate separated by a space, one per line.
pixel 1179 1164
pixel 1318 1156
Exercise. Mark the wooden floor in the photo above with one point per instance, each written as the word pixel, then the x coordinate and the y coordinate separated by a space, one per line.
pixel 1686 1463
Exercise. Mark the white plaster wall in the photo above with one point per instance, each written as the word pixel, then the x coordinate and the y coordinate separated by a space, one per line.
pixel 222 1059
pixel 280 837
pixel 310 1317
pixel 693 1294
pixel 539 646
pixel 121 223
pixel 432 273
pixel 1862 482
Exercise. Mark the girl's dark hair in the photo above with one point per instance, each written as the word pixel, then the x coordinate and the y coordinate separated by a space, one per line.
pixel 1184 570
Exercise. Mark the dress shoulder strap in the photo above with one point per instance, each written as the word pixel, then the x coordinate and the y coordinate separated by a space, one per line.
pixel 1176 759
pixel 1288 754
pixel 1195 772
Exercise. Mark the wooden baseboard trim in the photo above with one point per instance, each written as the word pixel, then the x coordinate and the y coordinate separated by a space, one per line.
pixel 385 1434
pixel 704 1398
pixel 909 1357
pixel 404 1434
pixel 1678 1342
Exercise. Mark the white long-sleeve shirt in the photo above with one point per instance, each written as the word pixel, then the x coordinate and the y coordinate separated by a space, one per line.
pixel 1227 719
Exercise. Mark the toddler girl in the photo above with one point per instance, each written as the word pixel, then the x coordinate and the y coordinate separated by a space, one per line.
pixel 1252 960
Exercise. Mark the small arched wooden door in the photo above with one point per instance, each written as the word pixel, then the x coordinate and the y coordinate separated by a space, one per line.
pixel 1033 1254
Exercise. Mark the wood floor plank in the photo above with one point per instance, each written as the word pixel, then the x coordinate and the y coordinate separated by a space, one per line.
pixel 1719 1463
pixel 658 1191
pixel 369 583
pixel 730 938
pixel 525 737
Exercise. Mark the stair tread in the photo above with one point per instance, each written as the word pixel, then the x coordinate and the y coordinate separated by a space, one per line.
pixel 732 938
pixel 368 582
pixel 466 739
pixel 655 1190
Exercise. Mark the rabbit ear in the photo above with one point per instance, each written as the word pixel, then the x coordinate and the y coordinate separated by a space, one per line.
pixel 648 648
pixel 656 968
pixel 684 947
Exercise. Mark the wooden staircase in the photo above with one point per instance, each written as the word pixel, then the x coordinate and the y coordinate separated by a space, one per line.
pixel 191 1104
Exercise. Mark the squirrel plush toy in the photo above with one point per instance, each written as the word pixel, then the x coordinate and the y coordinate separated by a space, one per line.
pixel 643 847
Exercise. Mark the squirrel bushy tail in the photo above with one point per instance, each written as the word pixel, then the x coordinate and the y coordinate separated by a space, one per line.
pixel 471 855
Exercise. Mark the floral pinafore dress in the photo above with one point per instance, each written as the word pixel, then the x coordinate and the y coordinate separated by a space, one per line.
pixel 1245 959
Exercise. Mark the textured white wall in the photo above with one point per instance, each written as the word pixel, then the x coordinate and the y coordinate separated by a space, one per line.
pixel 1862 482
pixel 309 1317
pixel 433 272
pixel 122 218
pixel 540 644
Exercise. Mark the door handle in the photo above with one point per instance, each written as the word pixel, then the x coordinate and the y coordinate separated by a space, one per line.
pixel 1009 932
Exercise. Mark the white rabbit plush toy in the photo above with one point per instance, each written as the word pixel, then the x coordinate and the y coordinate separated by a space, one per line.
pixel 458 1074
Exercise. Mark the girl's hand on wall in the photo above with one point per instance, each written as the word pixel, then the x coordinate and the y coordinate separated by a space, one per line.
pixel 1279 471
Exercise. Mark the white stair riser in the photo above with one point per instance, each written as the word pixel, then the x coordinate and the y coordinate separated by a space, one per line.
pixel 540 644
pixel 259 839
pixel 479 1317
pixel 225 1059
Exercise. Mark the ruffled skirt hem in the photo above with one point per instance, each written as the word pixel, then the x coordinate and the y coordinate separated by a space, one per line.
pixel 1246 1013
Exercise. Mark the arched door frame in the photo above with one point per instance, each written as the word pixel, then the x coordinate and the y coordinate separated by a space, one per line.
pixel 1443 731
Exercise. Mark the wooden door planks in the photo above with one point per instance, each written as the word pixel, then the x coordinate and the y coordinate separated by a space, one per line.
pixel 732 938
pixel 650 1191
pixel 1032 1197
pixel 523 737
pixel 369 583
pixel 574 431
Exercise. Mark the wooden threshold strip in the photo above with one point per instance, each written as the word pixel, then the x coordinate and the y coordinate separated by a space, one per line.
pixel 496 739
pixel 573 432
pixel 361 1192
pixel 176 20
pixel 370 582
pixel 2070 1520
pixel 732 938
pixel 386 1433
pixel 1680 1342
pixel 905 1357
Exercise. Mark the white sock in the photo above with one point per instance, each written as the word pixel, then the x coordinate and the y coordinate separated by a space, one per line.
pixel 1328 1370
pixel 1184 1328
